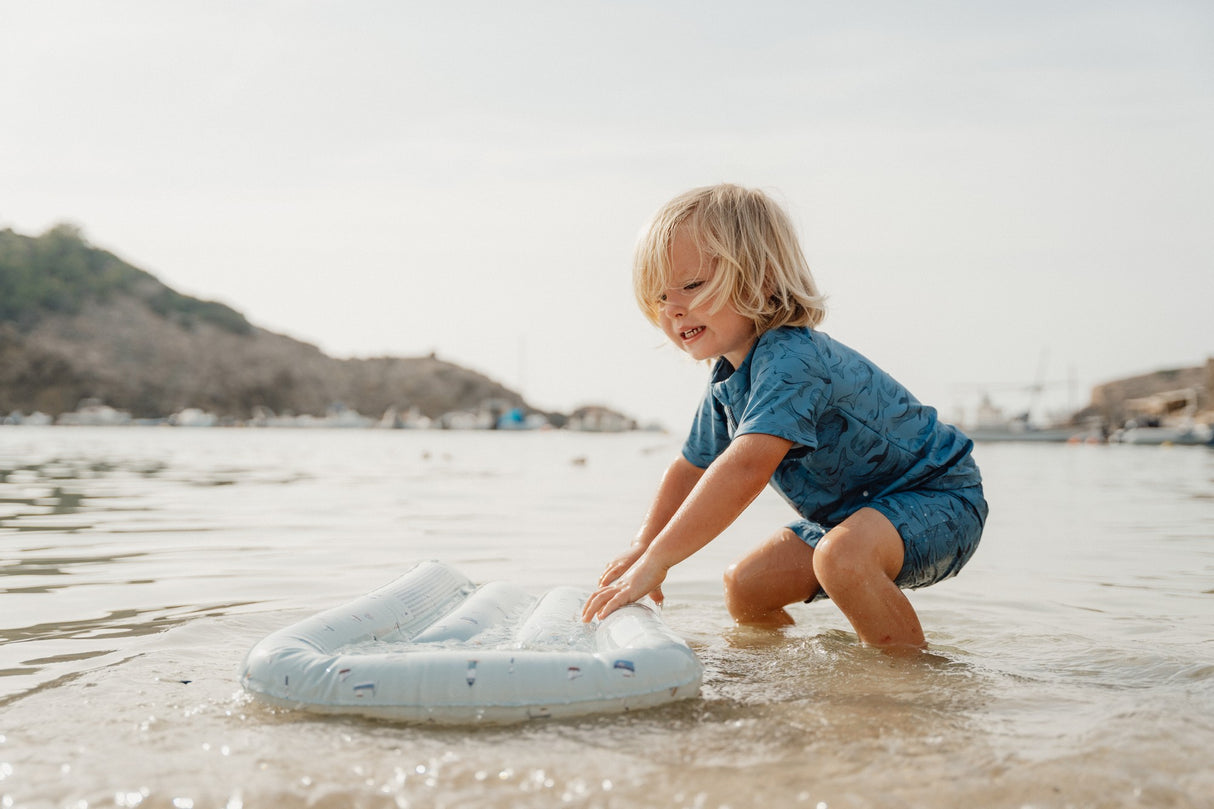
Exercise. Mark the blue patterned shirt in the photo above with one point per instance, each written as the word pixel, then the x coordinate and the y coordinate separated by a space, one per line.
pixel 857 434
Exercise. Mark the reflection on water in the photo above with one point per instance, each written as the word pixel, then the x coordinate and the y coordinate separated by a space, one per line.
pixel 1072 664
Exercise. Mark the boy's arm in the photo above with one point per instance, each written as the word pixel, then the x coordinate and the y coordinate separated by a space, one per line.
pixel 724 491
pixel 678 481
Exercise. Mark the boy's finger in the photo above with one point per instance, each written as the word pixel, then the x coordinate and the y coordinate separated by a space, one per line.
pixel 609 608
pixel 591 606
pixel 595 604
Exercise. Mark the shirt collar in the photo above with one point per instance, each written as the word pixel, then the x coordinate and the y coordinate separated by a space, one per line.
pixel 729 385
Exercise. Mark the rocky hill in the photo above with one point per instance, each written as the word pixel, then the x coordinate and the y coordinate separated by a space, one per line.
pixel 1185 391
pixel 77 322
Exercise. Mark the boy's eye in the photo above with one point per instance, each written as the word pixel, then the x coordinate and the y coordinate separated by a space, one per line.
pixel 690 286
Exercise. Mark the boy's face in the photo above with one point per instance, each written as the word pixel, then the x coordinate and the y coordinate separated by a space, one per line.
pixel 702 333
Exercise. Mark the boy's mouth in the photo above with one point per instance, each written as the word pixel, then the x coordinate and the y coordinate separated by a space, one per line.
pixel 687 335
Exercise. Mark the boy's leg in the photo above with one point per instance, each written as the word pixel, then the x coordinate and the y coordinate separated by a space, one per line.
pixel 777 573
pixel 857 563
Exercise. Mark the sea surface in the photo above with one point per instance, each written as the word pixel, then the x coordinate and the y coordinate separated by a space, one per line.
pixel 1071 664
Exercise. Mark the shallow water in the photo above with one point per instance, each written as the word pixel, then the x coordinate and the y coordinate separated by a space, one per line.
pixel 1071 663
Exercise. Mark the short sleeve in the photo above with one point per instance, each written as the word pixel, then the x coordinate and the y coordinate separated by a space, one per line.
pixel 789 390
pixel 709 435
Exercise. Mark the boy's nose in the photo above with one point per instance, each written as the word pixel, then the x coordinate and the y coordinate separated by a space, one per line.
pixel 674 305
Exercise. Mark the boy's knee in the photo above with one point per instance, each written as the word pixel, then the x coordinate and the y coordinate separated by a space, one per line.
pixel 733 580
pixel 837 565
pixel 847 560
pixel 739 589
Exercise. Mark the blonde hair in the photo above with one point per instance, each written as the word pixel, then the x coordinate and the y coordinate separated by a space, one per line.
pixel 751 243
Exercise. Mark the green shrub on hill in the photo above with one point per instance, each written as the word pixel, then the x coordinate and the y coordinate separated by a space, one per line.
pixel 58 272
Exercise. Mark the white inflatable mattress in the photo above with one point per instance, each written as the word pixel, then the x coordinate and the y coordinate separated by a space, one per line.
pixel 431 646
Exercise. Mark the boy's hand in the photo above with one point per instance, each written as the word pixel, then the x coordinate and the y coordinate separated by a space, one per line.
pixel 643 578
pixel 619 566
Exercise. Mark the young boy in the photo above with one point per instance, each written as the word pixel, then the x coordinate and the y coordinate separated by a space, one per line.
pixel 889 497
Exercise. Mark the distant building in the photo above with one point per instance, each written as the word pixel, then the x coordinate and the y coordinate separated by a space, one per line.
pixel 1162 391
pixel 94 413
pixel 599 419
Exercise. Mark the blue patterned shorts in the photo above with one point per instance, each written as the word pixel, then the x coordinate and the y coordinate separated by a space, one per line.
pixel 939 529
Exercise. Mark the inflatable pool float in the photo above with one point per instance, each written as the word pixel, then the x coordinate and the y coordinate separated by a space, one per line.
pixel 433 647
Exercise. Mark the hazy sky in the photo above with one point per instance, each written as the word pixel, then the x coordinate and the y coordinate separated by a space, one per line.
pixel 987 191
